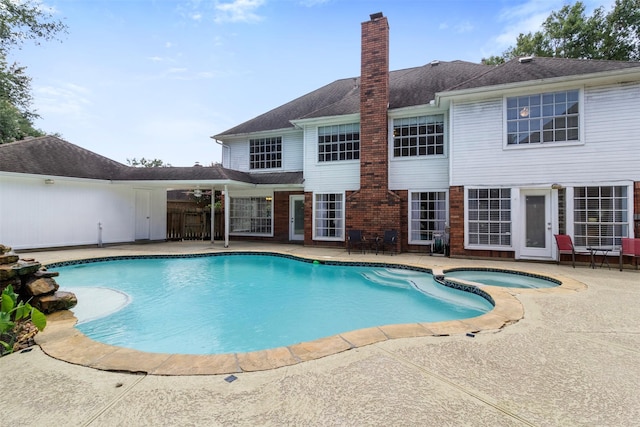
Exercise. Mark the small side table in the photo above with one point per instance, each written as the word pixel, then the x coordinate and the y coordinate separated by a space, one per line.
pixel 604 250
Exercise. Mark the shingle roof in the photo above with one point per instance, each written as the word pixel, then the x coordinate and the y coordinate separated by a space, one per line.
pixel 412 86
pixel 538 68
pixel 49 155
pixel 52 156
pixel 419 85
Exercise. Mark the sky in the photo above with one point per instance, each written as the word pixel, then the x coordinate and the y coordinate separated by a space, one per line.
pixel 156 79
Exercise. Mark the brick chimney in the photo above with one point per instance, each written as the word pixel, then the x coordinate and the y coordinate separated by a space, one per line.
pixel 374 102
pixel 374 208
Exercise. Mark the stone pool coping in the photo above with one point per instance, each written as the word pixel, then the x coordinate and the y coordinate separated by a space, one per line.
pixel 62 341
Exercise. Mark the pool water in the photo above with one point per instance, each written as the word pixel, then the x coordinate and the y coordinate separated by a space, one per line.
pixel 502 278
pixel 241 303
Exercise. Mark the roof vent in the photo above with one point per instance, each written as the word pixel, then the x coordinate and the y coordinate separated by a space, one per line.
pixel 525 59
pixel 434 63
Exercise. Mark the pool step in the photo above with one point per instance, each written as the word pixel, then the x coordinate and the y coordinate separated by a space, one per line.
pixel 386 279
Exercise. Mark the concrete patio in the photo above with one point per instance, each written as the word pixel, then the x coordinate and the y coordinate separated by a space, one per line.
pixel 572 360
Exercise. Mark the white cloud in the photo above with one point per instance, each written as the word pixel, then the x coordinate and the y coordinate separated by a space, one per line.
pixel 66 99
pixel 464 27
pixel 238 11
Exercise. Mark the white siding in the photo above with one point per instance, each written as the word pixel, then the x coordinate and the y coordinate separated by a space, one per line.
pixel 38 215
pixel 292 147
pixel 331 177
pixel 609 152
pixel 426 172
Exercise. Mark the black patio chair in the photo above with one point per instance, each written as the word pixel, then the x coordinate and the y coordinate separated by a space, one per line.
pixel 389 240
pixel 355 240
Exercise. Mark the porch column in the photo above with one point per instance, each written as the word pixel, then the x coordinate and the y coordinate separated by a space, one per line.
pixel 213 214
pixel 226 216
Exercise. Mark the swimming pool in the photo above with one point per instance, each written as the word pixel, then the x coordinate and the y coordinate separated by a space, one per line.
pixel 247 302
pixel 502 278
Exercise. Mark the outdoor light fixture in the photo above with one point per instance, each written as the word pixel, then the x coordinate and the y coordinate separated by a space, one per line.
pixel 197 193
pixel 49 181
pixel 268 198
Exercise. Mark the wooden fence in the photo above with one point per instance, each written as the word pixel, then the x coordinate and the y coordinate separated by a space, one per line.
pixel 188 223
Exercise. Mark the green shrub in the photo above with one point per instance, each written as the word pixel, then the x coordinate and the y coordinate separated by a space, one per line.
pixel 13 312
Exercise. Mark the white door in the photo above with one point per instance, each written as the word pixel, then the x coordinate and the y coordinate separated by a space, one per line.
pixel 536 231
pixel 143 215
pixel 296 217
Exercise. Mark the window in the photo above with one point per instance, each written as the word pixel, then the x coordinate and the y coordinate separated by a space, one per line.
pixel 329 214
pixel 489 217
pixel 251 215
pixel 418 136
pixel 265 153
pixel 546 117
pixel 600 215
pixel 339 142
pixel 428 215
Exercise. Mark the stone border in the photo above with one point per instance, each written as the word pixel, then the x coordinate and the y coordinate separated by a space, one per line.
pixel 62 341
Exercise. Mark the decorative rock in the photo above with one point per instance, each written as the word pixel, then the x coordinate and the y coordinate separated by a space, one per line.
pixel 4 249
pixel 7 272
pixel 15 282
pixel 58 301
pixel 8 259
pixel 26 268
pixel 44 273
pixel 41 286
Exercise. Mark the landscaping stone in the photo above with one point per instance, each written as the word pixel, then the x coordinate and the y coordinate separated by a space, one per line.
pixel 41 286
pixel 50 303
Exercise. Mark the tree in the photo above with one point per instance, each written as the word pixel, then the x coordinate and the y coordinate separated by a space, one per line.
pixel 569 33
pixel 147 163
pixel 20 21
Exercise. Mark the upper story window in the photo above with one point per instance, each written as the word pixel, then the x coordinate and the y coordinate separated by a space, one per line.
pixel 339 142
pixel 418 136
pixel 546 117
pixel 265 153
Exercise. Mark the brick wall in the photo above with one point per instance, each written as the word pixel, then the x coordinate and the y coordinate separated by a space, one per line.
pixel 456 232
pixel 373 208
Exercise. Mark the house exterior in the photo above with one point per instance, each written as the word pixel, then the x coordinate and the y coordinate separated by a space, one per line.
pixel 496 159
pixel 56 194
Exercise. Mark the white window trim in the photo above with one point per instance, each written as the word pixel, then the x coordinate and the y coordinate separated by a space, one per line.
pixel 539 145
pixel 467 245
pixel 274 169
pixel 270 233
pixel 445 135
pixel 316 151
pixel 409 219
pixel 570 207
pixel 342 218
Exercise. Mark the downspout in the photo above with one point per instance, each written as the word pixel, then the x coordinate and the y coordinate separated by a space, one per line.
pixel 226 216
pixel 224 146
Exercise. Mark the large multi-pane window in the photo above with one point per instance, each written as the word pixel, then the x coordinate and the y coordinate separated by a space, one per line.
pixel 339 142
pixel 251 215
pixel 329 216
pixel 489 216
pixel 265 153
pixel 545 117
pixel 428 216
pixel 418 136
pixel 600 215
